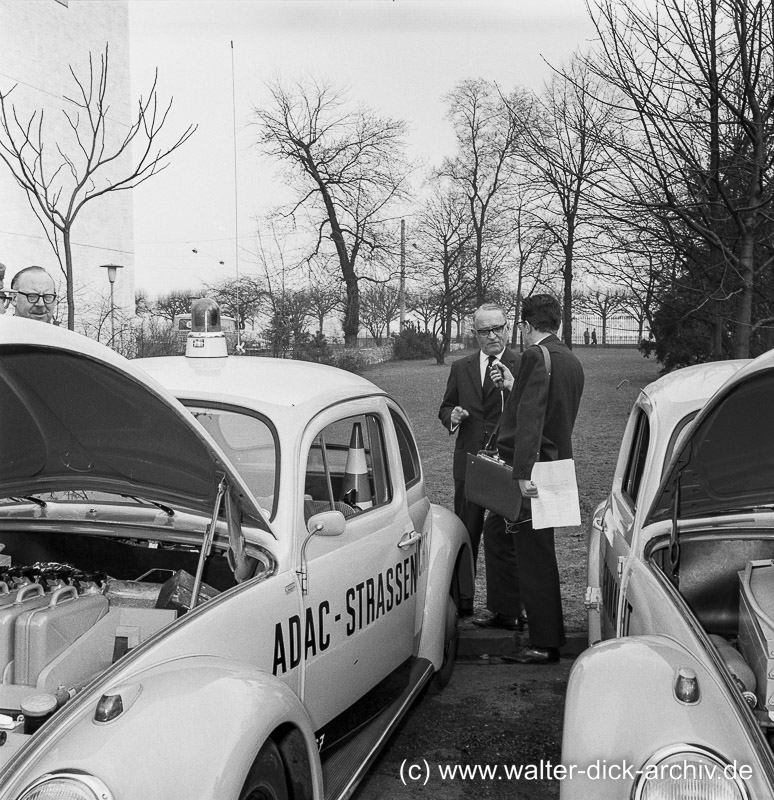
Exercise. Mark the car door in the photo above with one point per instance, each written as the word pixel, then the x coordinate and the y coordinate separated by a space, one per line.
pixel 618 524
pixel 359 588
pixel 417 502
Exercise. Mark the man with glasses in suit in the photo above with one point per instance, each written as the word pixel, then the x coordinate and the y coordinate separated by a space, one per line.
pixel 34 294
pixel 471 408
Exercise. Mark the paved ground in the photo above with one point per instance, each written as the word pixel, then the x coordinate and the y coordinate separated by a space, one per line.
pixel 493 714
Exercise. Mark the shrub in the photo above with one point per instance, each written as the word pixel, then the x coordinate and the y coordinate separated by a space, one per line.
pixel 351 360
pixel 411 344
pixel 157 338
pixel 314 349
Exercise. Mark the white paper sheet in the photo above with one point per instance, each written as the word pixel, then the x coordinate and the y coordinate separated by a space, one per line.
pixel 557 504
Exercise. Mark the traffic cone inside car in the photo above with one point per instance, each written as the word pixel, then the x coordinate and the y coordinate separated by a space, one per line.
pixel 355 487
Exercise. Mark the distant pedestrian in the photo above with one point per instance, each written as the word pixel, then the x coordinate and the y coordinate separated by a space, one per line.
pixel 594 337
pixel 586 336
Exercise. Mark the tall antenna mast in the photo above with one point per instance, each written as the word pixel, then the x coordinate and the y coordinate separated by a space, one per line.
pixel 236 202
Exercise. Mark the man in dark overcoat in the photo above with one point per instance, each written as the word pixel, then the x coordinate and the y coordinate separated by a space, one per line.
pixel 537 423
pixel 471 407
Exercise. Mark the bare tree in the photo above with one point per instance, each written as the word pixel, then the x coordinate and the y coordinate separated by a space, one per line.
pixel 487 132
pixel 379 306
pixel 60 180
pixel 565 158
pixel 346 166
pixel 178 301
pixel 143 307
pixel 697 82
pixel 532 245
pixel 289 310
pixel 444 235
pixel 424 305
pixel 324 293
pixel 240 299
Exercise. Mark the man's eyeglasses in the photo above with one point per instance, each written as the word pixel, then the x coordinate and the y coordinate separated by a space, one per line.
pixel 33 297
pixel 496 330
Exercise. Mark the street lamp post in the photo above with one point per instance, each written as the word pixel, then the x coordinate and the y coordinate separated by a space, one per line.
pixel 112 269
pixel 402 289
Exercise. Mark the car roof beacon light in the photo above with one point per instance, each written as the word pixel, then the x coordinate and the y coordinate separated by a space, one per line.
pixel 206 339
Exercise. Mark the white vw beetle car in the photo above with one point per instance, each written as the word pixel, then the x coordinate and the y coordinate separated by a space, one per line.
pixel 232 594
pixel 675 697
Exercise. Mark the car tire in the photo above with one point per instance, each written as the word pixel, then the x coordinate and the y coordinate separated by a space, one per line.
pixel 266 778
pixel 442 676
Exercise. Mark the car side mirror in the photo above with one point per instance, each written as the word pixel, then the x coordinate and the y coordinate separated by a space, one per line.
pixel 327 523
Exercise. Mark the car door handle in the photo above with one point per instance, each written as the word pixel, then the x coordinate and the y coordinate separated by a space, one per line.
pixel 409 538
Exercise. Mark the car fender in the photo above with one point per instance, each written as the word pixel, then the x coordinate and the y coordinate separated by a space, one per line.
pixel 449 551
pixel 621 708
pixel 193 730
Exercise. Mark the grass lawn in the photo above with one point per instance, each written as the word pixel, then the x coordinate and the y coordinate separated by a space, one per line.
pixel 613 379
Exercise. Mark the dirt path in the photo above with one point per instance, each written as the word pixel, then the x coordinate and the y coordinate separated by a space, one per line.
pixel 491 714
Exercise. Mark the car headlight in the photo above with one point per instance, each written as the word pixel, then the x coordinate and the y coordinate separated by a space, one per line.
pixel 688 772
pixel 71 785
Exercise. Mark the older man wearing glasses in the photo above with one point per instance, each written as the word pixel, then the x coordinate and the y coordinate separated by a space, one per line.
pixel 471 407
pixel 34 294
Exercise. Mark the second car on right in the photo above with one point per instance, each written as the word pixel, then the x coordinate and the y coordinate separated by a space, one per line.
pixel 675 696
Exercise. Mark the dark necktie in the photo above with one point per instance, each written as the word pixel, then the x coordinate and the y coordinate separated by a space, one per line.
pixel 488 382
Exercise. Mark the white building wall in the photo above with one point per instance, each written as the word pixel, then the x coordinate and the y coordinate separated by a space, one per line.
pixel 39 41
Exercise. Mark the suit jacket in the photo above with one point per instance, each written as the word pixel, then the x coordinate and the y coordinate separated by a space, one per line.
pixel 464 389
pixel 520 441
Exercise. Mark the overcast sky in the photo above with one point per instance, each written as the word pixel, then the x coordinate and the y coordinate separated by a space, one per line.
pixel 400 57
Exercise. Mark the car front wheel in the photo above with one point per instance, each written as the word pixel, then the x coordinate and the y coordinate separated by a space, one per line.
pixel 450 639
pixel 266 779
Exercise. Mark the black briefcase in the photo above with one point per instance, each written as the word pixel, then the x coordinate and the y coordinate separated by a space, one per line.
pixel 489 483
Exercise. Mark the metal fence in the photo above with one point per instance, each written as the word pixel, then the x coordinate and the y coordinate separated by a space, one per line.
pixel 619 331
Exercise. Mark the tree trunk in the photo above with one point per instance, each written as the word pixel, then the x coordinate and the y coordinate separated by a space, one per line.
pixel 351 324
pixel 480 293
pixel 567 304
pixel 744 309
pixel 69 278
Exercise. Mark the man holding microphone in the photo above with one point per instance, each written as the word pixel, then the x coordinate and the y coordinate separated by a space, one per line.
pixel 471 407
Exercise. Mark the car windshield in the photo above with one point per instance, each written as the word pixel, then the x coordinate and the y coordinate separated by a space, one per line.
pixel 249 442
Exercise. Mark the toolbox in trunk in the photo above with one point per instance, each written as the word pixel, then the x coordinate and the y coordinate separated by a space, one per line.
pixel 27 597
pixel 45 632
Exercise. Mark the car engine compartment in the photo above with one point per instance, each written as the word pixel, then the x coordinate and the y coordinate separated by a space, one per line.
pixel 73 604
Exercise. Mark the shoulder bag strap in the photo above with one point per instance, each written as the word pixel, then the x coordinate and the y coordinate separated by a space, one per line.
pixel 547 361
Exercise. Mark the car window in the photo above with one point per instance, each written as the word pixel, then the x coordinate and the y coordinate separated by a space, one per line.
pixel 250 445
pixel 635 466
pixel 346 468
pixel 677 438
pixel 409 455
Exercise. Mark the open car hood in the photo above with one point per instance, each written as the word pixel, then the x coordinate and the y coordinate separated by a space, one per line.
pixel 725 463
pixel 75 416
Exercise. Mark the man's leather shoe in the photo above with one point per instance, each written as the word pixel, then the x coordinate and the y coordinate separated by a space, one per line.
pixel 465 609
pixel 535 655
pixel 502 622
